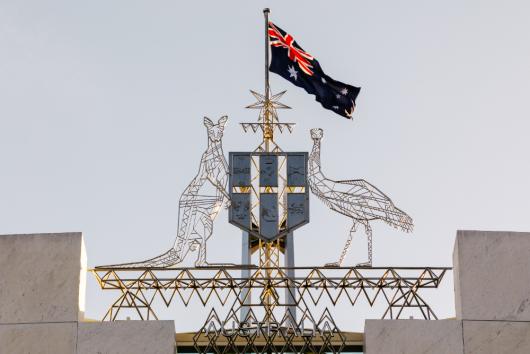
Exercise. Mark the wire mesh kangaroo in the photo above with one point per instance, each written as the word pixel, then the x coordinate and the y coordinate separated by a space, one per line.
pixel 199 204
pixel 356 199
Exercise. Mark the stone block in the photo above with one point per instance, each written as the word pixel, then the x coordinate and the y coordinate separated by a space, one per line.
pixel 499 337
pixel 42 278
pixel 126 337
pixel 491 271
pixel 42 338
pixel 413 337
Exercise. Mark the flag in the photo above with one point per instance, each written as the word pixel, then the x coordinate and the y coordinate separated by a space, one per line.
pixel 292 63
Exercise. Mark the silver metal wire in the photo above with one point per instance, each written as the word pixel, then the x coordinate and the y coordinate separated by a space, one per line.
pixel 356 199
pixel 199 204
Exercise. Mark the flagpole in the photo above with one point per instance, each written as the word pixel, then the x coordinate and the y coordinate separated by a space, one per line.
pixel 266 12
pixel 268 137
pixel 268 129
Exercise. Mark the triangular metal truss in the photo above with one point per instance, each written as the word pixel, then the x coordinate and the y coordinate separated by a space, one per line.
pixel 398 288
pixel 269 323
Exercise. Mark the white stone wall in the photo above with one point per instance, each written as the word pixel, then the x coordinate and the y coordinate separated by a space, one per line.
pixel 40 278
pixel 126 337
pixel 502 337
pixel 38 338
pixel 492 275
pixel 413 336
pixel 492 298
pixel 42 295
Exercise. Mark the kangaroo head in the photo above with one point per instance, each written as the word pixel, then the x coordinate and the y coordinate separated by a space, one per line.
pixel 317 134
pixel 215 131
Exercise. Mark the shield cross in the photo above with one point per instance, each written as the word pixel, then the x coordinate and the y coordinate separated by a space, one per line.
pixel 269 192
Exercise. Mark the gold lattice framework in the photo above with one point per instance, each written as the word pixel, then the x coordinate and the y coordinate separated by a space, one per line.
pixel 397 287
pixel 399 290
pixel 142 291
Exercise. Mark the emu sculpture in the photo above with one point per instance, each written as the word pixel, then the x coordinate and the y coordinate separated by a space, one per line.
pixel 356 199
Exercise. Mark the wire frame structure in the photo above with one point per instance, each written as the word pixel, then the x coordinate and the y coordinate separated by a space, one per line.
pixel 199 204
pixel 269 324
pixel 268 308
pixel 279 335
pixel 356 199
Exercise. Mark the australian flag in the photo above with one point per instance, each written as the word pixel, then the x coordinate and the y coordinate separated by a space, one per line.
pixel 292 63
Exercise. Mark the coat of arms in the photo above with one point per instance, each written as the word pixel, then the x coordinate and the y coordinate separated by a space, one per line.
pixel 268 192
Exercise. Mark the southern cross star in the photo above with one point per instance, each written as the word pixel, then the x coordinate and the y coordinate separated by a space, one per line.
pixel 324 81
pixel 293 72
pixel 344 91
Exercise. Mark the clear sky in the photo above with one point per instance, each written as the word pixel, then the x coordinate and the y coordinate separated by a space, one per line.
pixel 101 106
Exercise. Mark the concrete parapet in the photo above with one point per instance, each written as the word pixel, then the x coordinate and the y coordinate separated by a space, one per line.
pixel 42 278
pixel 499 337
pixel 126 337
pixel 413 337
pixel 41 338
pixel 42 298
pixel 491 271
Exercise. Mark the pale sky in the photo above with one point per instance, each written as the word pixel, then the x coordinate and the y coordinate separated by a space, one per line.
pixel 101 108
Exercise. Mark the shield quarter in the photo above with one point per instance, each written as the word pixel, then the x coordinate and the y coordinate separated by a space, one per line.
pixel 269 192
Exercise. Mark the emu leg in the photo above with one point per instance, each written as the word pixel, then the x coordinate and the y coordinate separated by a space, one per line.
pixel 367 264
pixel 345 249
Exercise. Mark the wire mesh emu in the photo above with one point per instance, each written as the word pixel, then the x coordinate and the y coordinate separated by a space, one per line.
pixel 356 199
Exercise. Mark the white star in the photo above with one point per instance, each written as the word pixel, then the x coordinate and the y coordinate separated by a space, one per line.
pixel 323 80
pixel 337 95
pixel 344 91
pixel 335 107
pixel 293 72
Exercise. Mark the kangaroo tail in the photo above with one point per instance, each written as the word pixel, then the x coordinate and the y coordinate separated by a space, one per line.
pixel 165 260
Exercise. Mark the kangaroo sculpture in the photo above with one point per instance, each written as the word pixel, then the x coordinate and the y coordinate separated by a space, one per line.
pixel 199 204
pixel 356 199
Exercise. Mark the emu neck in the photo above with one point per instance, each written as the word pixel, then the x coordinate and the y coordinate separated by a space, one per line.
pixel 315 155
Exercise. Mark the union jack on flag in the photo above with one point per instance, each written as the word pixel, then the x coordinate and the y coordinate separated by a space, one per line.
pixel 294 64
pixel 295 53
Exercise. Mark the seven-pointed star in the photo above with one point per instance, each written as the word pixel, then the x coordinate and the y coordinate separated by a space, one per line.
pixel 293 72
pixel 344 91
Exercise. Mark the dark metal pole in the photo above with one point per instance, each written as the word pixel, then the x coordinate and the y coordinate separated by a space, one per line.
pixel 268 131
pixel 266 14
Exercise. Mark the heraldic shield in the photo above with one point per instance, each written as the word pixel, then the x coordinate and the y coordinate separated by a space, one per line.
pixel 269 192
